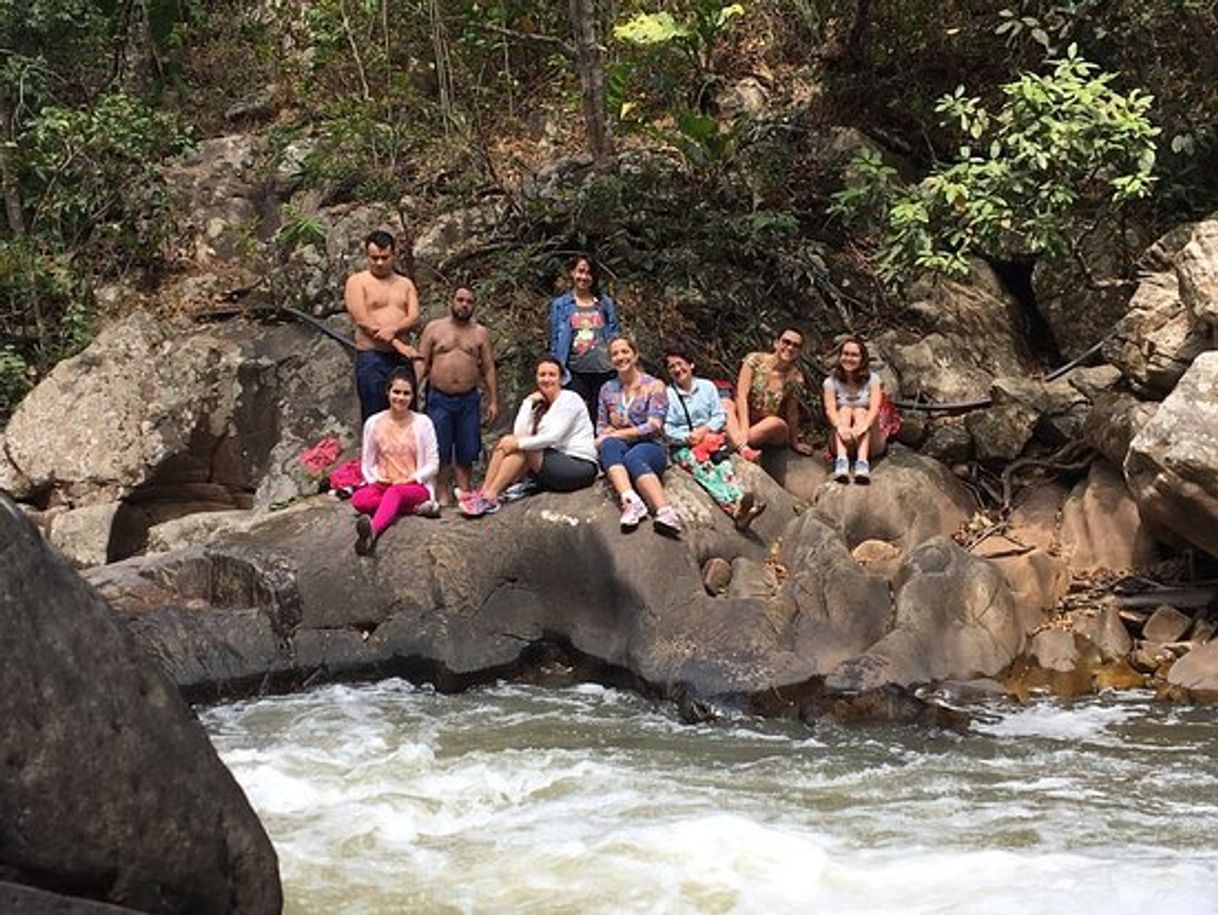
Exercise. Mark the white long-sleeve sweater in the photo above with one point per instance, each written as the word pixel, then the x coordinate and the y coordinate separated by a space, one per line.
pixel 565 427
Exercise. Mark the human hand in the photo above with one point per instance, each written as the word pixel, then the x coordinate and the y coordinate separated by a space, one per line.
pixel 509 444
pixel 802 448
pixel 492 412
pixel 384 334
pixel 696 435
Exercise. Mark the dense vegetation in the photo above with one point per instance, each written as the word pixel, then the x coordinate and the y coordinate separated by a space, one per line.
pixel 999 128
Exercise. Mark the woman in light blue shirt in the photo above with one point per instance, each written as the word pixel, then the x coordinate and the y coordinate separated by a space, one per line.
pixel 694 429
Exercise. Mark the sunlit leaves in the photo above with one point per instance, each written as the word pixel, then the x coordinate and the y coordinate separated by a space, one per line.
pixel 1064 148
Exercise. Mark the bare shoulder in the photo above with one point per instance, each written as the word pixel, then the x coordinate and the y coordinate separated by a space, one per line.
pixel 401 281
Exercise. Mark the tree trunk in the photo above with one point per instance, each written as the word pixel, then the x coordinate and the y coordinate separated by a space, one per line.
pixel 8 181
pixel 858 45
pixel 590 63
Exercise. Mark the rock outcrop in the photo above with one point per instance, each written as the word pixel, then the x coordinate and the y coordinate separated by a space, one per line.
pixel 1160 333
pixel 911 499
pixel 1197 673
pixel 955 619
pixel 151 423
pixel 458 602
pixel 1172 466
pixel 112 790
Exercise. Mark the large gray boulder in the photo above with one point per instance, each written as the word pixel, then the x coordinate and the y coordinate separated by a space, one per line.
pixel 111 786
pixel 460 602
pixel 1172 466
pixel 172 419
pixel 955 619
pixel 970 332
pixel 911 499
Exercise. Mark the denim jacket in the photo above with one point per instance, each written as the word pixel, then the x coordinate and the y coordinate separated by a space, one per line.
pixel 561 337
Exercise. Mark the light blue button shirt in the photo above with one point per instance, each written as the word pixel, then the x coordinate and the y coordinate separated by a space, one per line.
pixel 704 406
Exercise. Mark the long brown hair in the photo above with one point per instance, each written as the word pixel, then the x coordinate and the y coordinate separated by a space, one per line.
pixel 541 406
pixel 864 371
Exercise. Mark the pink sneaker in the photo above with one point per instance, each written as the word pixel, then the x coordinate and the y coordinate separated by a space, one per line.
pixel 752 455
pixel 667 521
pixel 633 511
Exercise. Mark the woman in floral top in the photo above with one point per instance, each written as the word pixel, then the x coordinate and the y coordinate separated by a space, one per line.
pixel 630 417
pixel 768 393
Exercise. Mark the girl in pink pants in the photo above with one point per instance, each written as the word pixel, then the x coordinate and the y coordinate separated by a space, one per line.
pixel 399 460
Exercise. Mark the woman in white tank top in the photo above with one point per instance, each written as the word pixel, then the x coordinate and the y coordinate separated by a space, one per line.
pixel 852 396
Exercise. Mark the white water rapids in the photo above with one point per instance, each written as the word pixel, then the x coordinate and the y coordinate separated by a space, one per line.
pixel 392 798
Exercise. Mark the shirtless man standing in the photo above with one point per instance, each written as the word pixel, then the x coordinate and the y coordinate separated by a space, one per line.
pixel 456 352
pixel 383 305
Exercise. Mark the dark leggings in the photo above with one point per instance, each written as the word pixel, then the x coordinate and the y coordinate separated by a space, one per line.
pixel 562 473
pixel 588 386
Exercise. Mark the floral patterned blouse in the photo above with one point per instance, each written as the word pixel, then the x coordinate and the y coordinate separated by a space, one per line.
pixel 613 411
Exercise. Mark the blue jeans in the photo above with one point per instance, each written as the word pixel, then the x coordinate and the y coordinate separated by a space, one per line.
pixel 639 458
pixel 458 422
pixel 372 370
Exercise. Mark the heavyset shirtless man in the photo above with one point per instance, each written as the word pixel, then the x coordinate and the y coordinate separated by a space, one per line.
pixel 384 306
pixel 456 354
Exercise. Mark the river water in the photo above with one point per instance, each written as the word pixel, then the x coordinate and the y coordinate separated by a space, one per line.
pixel 393 798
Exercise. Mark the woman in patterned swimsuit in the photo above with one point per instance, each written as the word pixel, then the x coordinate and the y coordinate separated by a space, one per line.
pixel 767 395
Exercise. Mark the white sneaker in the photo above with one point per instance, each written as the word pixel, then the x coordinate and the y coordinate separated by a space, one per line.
pixel 429 509
pixel 633 511
pixel 668 522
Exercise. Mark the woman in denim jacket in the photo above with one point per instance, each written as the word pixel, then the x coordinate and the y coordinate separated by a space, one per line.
pixel 582 322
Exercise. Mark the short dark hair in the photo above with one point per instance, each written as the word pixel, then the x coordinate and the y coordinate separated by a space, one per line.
pixel 793 328
pixel 381 239
pixel 680 350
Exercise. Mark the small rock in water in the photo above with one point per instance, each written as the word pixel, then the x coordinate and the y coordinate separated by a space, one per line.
pixel 885 705
pixel 1118 675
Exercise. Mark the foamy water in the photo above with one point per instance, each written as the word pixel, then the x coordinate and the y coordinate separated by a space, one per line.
pixel 391 798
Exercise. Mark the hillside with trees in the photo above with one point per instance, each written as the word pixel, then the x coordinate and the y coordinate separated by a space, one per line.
pixel 738 165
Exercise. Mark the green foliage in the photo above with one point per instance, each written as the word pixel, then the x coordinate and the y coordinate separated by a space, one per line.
pixel 46 314
pixel 1065 151
pixel 90 179
pixel 696 34
pixel 673 53
pixel 14 379
pixel 299 228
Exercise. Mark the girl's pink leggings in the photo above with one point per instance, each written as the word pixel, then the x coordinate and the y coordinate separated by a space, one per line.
pixel 385 501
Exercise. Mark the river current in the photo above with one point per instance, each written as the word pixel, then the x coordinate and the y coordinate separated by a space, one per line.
pixel 393 798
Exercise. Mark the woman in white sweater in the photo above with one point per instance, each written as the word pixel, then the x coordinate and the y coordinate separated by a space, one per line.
pixel 552 438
